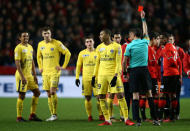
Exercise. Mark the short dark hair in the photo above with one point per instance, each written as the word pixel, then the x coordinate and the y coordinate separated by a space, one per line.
pixel 107 31
pixel 170 35
pixel 90 36
pixel 20 34
pixel 137 32
pixel 46 28
pixel 165 34
pixel 154 35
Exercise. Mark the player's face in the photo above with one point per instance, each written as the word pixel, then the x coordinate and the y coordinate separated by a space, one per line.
pixel 171 39
pixel 46 34
pixel 158 40
pixel 117 38
pixel 103 36
pixel 89 43
pixel 131 35
pixel 163 40
pixel 24 38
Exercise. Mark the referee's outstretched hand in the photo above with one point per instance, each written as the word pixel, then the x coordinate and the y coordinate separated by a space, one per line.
pixel 113 81
pixel 93 81
pixel 77 82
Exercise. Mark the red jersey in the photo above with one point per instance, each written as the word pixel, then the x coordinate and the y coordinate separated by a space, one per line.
pixel 152 63
pixel 181 52
pixel 123 47
pixel 186 63
pixel 158 51
pixel 171 61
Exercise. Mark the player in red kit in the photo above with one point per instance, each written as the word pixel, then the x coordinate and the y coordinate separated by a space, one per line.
pixel 186 60
pixel 172 68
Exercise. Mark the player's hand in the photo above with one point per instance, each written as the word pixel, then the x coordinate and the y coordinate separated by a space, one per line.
pixel 142 14
pixel 113 81
pixel 93 81
pixel 35 79
pixel 24 81
pixel 77 82
pixel 58 68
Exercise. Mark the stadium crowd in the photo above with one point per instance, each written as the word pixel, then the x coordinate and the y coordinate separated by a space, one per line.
pixel 71 19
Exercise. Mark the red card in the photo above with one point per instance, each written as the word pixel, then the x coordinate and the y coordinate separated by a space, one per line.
pixel 140 8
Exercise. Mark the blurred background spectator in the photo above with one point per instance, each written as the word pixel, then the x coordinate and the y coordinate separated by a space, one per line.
pixel 72 19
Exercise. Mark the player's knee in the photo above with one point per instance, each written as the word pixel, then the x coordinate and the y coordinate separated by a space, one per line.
pixel 120 95
pixel 111 95
pixel 37 93
pixel 149 94
pixel 88 98
pixel 102 96
pixel 22 96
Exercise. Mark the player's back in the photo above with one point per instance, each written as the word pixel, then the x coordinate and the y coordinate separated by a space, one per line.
pixel 24 53
pixel 89 62
pixel 107 54
pixel 50 55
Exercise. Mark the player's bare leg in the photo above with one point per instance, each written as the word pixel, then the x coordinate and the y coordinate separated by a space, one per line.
pixel 35 97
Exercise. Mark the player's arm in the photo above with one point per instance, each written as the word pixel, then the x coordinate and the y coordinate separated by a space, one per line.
pixel 34 72
pixel 144 25
pixel 65 52
pixel 185 65
pixel 39 58
pixel 125 59
pixel 78 68
pixel 18 65
pixel 118 60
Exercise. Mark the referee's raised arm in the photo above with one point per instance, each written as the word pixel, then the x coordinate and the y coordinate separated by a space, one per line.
pixel 144 24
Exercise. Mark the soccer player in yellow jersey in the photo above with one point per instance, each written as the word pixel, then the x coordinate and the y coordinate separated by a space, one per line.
pixel 48 57
pixel 108 66
pixel 87 60
pixel 26 76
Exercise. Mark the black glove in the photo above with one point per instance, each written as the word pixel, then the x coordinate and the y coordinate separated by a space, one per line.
pixel 77 82
pixel 93 81
pixel 113 81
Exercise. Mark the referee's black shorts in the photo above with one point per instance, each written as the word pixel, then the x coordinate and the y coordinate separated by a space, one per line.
pixel 140 79
pixel 171 84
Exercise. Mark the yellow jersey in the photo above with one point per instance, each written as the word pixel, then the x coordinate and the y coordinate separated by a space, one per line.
pixel 87 61
pixel 24 53
pixel 48 56
pixel 108 59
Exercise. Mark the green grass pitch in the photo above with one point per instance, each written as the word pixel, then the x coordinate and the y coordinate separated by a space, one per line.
pixel 72 117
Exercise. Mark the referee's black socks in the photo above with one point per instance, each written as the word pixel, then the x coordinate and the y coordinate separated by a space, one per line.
pixel 136 109
pixel 152 108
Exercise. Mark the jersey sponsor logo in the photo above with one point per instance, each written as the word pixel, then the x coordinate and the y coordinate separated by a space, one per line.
pixel 112 51
pixel 85 55
pixel 107 59
pixel 24 50
pixel 52 49
pixel 101 49
pixel 42 48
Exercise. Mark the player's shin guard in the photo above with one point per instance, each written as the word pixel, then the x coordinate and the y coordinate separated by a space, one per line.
pixel 50 105
pixel 34 104
pixel 99 108
pixel 88 106
pixel 104 108
pixel 19 107
pixel 136 109
pixel 124 108
pixel 54 103
pixel 173 108
pixel 161 105
pixel 152 108
pixel 167 108
pixel 142 104
pixel 110 106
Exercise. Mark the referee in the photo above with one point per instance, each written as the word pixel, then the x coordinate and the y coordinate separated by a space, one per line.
pixel 139 77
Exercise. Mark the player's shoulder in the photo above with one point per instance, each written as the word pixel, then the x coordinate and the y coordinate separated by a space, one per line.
pixel 55 41
pixel 82 51
pixel 30 46
pixel 41 43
